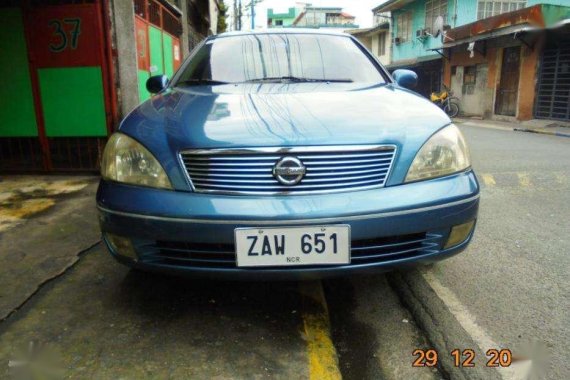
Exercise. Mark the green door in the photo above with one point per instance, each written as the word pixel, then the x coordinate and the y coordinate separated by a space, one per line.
pixel 161 56
pixel 17 113
pixel 156 51
pixel 167 51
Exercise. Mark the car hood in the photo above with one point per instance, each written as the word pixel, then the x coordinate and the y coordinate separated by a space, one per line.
pixel 269 115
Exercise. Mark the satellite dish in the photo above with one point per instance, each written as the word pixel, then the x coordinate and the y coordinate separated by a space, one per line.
pixel 437 26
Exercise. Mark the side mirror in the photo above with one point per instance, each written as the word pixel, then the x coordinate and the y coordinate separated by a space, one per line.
pixel 405 78
pixel 156 83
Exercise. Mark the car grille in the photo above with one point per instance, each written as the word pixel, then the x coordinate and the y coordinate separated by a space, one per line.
pixel 250 171
pixel 204 255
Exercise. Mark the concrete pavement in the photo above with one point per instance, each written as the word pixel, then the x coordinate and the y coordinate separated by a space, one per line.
pixel 45 223
pixel 96 319
pixel 544 127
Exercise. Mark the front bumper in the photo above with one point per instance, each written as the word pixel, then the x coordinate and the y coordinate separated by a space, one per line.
pixel 182 232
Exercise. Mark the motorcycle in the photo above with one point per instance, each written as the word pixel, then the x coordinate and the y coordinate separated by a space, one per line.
pixel 446 101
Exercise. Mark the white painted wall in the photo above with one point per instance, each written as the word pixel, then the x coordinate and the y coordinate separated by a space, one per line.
pixel 479 101
pixel 385 58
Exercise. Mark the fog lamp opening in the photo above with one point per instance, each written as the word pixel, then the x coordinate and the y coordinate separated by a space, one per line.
pixel 459 234
pixel 121 246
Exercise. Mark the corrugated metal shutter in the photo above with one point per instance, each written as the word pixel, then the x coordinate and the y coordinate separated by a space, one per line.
pixel 553 92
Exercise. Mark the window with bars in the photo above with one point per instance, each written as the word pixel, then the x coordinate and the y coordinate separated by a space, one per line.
pixel 469 74
pixel 434 9
pixel 158 15
pixel 404 26
pixel 487 8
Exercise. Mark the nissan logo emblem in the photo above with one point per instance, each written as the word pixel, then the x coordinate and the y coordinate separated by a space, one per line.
pixel 289 171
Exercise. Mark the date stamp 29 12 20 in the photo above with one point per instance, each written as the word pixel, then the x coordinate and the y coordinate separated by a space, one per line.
pixel 464 358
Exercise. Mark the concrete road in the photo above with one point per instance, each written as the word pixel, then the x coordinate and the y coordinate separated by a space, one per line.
pixel 92 318
pixel 511 288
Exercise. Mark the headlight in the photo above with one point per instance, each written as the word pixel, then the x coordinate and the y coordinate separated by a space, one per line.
pixel 444 153
pixel 127 161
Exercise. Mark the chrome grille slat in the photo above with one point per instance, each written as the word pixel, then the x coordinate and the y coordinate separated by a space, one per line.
pixel 306 180
pixel 359 161
pixel 300 156
pixel 269 164
pixel 282 187
pixel 348 155
pixel 318 174
pixel 201 158
pixel 196 174
pixel 250 171
pixel 347 167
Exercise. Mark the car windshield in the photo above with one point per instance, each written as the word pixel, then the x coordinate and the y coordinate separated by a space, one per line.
pixel 267 58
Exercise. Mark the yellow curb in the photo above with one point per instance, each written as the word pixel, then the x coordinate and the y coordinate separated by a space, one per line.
pixel 323 358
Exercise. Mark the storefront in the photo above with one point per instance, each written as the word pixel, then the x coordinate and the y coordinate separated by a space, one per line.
pixel 511 66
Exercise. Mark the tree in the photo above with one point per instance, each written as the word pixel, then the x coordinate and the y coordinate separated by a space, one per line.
pixel 222 26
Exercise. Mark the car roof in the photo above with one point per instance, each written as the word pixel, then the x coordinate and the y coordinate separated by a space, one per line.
pixel 282 31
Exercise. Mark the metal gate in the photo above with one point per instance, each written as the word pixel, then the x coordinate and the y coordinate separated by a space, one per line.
pixel 61 103
pixel 553 89
pixel 158 33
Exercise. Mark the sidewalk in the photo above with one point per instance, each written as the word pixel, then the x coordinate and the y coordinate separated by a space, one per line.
pixel 546 127
pixel 45 223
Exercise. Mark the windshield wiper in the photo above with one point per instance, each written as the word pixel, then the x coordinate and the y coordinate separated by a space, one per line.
pixel 199 81
pixel 297 80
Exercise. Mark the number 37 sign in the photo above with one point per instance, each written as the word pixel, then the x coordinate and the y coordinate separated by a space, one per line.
pixel 66 36
pixel 61 32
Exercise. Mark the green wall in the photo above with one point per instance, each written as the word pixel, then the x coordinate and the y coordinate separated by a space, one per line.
pixel 143 75
pixel 156 51
pixel 161 59
pixel 73 101
pixel 17 113
pixel 168 56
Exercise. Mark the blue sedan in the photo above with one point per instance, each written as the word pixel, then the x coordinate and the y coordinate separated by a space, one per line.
pixel 285 154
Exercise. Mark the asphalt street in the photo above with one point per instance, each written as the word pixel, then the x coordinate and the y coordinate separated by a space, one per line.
pixel 513 281
pixel 85 316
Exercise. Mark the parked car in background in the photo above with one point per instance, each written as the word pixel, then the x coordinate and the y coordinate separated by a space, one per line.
pixel 285 154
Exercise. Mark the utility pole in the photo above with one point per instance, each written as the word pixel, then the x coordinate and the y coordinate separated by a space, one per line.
pixel 235 13
pixel 239 16
pixel 252 14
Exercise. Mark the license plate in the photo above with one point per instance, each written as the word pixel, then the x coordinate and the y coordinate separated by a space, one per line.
pixel 286 246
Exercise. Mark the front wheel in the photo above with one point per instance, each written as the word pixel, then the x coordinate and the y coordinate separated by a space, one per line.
pixel 451 109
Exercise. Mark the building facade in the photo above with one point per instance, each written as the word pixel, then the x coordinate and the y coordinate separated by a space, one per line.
pixel 324 17
pixel 514 65
pixel 477 49
pixel 376 39
pixel 76 68
pixel 282 19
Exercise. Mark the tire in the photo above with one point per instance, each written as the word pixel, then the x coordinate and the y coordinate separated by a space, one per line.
pixel 451 109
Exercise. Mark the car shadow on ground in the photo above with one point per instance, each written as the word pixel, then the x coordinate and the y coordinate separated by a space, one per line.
pixel 163 296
